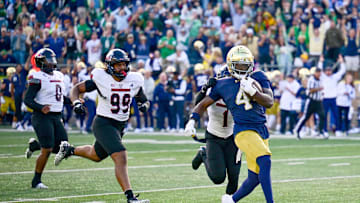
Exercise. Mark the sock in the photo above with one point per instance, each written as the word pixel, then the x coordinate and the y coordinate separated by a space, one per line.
pixel 264 163
pixel 248 185
pixel 71 151
pixel 36 180
pixel 129 194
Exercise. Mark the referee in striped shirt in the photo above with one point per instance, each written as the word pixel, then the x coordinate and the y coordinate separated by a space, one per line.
pixel 313 104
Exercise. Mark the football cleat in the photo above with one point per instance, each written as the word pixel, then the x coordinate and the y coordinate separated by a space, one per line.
pixel 33 146
pixel 227 199
pixel 325 135
pixel 64 152
pixel 135 200
pixel 41 186
pixel 198 159
pixel 298 137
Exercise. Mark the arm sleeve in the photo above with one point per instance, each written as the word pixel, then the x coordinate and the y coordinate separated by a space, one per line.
pixel 140 97
pixel 34 87
pixel 90 85
pixel 199 96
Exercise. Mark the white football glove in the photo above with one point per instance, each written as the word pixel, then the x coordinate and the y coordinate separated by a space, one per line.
pixel 246 85
pixel 190 129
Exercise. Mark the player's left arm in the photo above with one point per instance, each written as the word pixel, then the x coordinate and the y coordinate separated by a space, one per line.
pixel 142 101
pixel 265 98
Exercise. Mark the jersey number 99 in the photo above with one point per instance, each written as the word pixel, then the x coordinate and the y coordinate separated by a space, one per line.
pixel 115 102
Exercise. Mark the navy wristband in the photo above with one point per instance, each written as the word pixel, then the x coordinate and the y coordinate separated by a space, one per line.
pixel 195 116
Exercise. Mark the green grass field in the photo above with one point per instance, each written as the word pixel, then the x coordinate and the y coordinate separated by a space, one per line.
pixel 309 170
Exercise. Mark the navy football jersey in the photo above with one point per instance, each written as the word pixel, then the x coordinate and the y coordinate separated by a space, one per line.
pixel 247 114
pixel 6 90
pixel 200 80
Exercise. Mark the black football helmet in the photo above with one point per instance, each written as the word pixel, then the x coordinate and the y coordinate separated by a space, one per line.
pixel 45 59
pixel 113 57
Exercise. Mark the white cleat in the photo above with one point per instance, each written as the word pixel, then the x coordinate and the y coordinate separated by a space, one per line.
pixel 41 186
pixel 227 199
pixel 62 152
pixel 139 201
pixel 325 135
pixel 28 152
pixel 339 134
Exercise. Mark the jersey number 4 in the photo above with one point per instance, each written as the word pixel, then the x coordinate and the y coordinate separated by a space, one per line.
pixel 242 98
pixel 115 102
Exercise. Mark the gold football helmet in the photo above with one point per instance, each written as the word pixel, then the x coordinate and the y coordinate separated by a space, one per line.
pixel 10 71
pixel 240 61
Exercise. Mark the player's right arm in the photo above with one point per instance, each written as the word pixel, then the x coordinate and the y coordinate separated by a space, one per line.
pixel 29 100
pixel 82 87
pixel 202 93
pixel 199 109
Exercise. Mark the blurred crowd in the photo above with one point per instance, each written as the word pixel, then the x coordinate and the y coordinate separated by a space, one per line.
pixel 178 45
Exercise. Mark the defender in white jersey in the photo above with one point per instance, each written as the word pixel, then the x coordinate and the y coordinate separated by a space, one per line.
pixel 116 87
pixel 220 156
pixel 45 97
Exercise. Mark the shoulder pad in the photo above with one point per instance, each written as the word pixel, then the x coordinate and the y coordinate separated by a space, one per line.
pixel 258 75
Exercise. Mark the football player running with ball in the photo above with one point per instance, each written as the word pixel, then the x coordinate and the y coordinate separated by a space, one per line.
pixel 116 87
pixel 246 94
pixel 45 97
pixel 220 156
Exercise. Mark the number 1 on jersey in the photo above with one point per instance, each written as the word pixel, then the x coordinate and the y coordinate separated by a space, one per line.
pixel 225 121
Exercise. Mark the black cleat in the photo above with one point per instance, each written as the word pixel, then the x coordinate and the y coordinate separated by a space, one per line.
pixel 135 200
pixel 64 152
pixel 298 137
pixel 33 146
pixel 198 159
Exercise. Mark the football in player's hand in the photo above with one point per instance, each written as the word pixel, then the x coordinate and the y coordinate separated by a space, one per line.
pixel 255 84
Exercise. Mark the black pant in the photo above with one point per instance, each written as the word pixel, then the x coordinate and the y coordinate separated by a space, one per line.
pixel 18 102
pixel 284 115
pixel 221 158
pixel 108 133
pixel 49 129
pixel 311 107
pixel 343 120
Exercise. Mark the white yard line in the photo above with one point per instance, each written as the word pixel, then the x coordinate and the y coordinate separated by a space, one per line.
pixel 176 165
pixel 340 164
pixel 296 163
pixel 165 159
pixel 180 188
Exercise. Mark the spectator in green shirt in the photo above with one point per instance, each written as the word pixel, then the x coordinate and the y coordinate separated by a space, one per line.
pixel 82 26
pixel 107 40
pixel 167 44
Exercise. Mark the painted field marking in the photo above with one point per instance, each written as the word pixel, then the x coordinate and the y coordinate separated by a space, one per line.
pixel 340 164
pixel 165 159
pixel 180 188
pixel 295 163
pixel 174 165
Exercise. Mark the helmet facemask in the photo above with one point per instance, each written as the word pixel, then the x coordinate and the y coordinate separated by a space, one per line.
pixel 46 61
pixel 112 70
pixel 241 69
